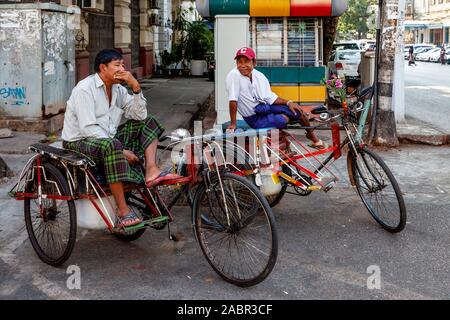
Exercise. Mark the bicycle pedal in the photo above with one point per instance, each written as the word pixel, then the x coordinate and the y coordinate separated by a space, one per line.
pixel 136 227
pixel 146 223
pixel 157 220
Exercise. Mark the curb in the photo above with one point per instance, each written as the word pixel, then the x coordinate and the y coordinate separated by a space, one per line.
pixel 433 140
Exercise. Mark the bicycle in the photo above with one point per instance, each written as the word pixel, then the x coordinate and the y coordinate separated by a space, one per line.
pixel 232 221
pixel 300 168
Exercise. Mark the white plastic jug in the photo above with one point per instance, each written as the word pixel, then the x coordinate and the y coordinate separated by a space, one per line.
pixel 270 183
pixel 89 218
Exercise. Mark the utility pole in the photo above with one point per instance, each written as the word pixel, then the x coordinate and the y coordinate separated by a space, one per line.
pixel 385 132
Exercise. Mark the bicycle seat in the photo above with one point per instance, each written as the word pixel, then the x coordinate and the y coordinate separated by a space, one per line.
pixel 70 156
pixel 319 110
pixel 241 124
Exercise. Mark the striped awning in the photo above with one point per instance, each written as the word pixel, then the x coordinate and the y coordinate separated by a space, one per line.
pixel 418 24
pixel 272 8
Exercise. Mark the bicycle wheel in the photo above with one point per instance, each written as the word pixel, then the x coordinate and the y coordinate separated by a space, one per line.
pixel 378 190
pixel 51 225
pixel 239 242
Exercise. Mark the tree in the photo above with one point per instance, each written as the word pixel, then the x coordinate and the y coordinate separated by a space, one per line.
pixel 199 40
pixel 329 26
pixel 385 132
pixel 180 27
pixel 355 18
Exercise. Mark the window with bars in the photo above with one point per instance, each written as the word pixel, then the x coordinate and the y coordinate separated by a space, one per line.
pixel 292 42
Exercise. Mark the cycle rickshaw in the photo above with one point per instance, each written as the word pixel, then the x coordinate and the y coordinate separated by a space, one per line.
pixel 232 221
pixel 278 162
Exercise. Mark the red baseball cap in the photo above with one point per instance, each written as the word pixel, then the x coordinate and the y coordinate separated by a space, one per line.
pixel 246 52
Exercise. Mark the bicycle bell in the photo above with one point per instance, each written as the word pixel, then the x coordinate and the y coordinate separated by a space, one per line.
pixel 324 116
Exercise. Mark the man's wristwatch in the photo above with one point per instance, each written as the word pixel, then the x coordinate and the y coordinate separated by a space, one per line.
pixel 290 101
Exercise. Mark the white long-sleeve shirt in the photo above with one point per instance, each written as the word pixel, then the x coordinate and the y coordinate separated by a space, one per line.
pixel 89 114
pixel 249 94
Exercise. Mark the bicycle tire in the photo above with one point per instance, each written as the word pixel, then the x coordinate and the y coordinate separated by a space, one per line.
pixel 228 263
pixel 374 181
pixel 54 217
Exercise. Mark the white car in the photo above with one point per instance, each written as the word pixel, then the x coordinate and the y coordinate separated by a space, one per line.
pixel 436 57
pixel 370 45
pixel 418 48
pixel 348 45
pixel 426 56
pixel 344 63
pixel 418 51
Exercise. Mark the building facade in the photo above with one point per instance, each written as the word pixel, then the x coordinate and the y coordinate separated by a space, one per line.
pixel 427 21
pixel 46 47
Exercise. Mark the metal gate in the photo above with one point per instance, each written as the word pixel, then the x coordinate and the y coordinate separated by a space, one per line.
pixel 58 54
pixel 135 33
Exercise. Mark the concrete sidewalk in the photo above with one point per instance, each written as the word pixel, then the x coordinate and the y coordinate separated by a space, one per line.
pixel 416 131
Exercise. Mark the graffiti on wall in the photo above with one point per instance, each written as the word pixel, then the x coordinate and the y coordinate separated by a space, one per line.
pixel 17 95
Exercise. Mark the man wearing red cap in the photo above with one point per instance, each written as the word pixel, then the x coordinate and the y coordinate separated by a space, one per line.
pixel 249 93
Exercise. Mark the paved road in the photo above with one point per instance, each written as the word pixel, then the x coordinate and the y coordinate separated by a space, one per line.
pixel 427 89
pixel 326 244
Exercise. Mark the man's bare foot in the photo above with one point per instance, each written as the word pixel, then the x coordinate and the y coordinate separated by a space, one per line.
pixel 152 173
pixel 127 218
pixel 311 136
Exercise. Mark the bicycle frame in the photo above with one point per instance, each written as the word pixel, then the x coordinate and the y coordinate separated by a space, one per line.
pixel 301 176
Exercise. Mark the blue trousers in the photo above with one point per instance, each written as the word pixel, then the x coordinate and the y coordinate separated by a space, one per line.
pixel 271 116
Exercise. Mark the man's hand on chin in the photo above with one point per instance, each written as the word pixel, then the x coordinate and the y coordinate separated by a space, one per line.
pixel 127 77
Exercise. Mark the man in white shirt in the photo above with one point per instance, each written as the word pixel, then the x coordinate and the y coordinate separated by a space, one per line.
pixel 249 93
pixel 112 127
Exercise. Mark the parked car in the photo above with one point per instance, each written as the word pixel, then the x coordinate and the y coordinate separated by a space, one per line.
pixel 344 63
pixel 426 56
pixel 436 56
pixel 419 50
pixel 348 45
pixel 416 48
pixel 371 47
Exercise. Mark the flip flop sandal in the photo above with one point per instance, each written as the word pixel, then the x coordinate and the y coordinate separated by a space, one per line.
pixel 163 176
pixel 319 146
pixel 121 221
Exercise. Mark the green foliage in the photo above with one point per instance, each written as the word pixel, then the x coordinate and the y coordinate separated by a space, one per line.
pixel 193 40
pixel 354 20
pixel 199 40
pixel 166 59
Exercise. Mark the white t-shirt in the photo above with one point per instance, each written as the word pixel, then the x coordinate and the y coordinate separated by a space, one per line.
pixel 249 94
